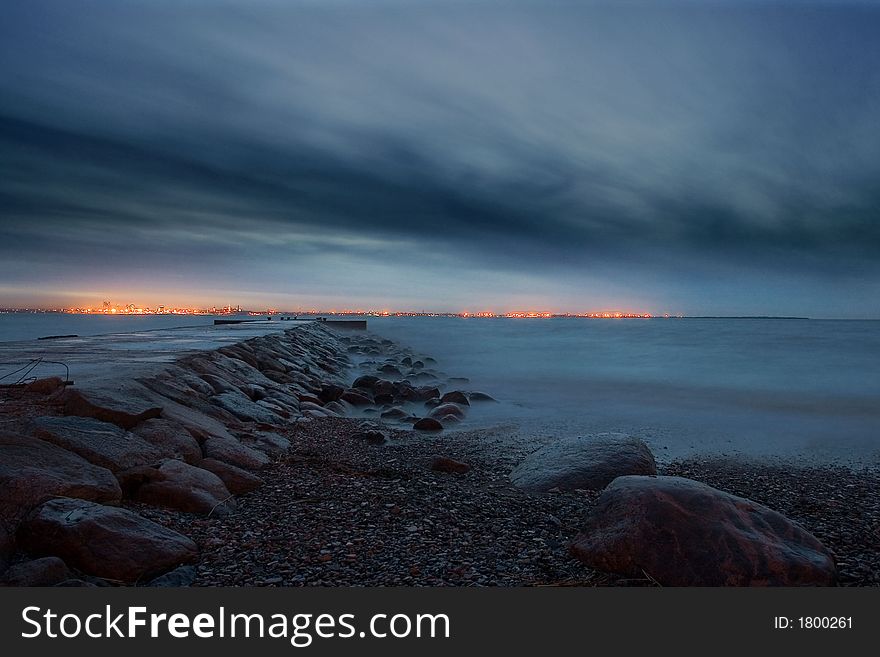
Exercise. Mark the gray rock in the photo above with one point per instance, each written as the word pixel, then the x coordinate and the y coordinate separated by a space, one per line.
pixel 590 462
pixel 243 408
pixel 98 442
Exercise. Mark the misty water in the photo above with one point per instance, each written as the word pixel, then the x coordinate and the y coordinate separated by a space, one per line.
pixel 798 389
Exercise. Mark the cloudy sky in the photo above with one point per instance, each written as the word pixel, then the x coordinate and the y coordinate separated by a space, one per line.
pixel 705 157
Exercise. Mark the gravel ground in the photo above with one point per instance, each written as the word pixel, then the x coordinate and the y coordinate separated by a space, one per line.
pixel 838 505
pixel 337 510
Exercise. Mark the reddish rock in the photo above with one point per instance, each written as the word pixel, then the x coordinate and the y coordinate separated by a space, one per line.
pixel 104 541
pixel 427 424
pixel 98 442
pixel 170 438
pixel 187 488
pixel 75 403
pixel 455 397
pixel 682 532
pixel 589 462
pixel 445 464
pixel 47 571
pixel 32 470
pixel 236 480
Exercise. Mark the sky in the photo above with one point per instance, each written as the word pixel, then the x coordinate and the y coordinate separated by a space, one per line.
pixel 717 158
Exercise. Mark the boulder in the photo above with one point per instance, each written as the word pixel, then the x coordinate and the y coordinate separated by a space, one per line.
pixel 445 464
pixel 46 571
pixel 365 381
pixel 682 532
pixel 447 409
pixel 243 408
pixel 422 393
pixel 395 413
pixel 355 398
pixel 330 393
pixel 32 471
pixel 170 438
pixel 236 480
pixel 218 384
pixel 589 462
pixel 76 404
pixel 480 397
pixel 103 541
pixel 455 397
pixel 267 442
pixel 98 442
pixel 184 487
pixel 383 387
pixel 427 424
pixel 229 450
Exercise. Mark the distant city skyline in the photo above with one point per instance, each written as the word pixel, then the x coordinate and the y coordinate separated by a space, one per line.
pixel 694 158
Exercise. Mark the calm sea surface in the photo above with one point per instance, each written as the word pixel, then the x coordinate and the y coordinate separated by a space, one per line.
pixel 797 389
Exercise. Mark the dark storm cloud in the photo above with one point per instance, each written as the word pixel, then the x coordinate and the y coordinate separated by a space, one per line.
pixel 452 137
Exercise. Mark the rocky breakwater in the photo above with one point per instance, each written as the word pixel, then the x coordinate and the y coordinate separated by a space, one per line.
pixel 190 436
pixel 77 464
pixel 672 530
pixel 400 388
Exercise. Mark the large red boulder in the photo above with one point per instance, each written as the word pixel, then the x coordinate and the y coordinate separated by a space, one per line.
pixel 682 532
pixel 104 541
pixel 32 471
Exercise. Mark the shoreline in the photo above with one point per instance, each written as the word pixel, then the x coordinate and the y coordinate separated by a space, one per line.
pixel 342 500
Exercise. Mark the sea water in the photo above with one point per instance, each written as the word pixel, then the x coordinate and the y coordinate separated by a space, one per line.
pixel 796 389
